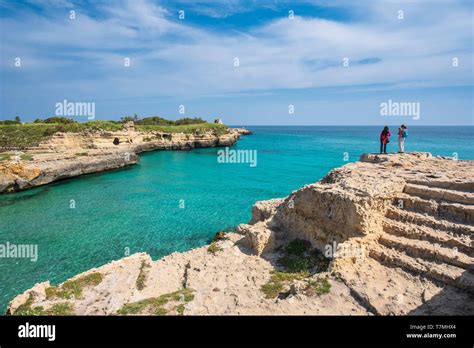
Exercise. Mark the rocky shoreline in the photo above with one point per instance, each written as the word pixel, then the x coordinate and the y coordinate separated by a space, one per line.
pixel 68 155
pixel 388 235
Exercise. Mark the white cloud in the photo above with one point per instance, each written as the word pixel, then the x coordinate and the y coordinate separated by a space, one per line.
pixel 170 57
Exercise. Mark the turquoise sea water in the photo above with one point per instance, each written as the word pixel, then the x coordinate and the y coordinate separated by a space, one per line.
pixel 141 208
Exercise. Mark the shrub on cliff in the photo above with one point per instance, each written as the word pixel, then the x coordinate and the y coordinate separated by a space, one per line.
pixel 154 121
pixel 60 120
pixel 10 122
pixel 187 120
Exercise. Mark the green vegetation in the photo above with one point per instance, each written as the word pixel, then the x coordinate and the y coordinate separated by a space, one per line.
pixel 187 120
pixel 81 154
pixel 26 157
pixel 14 135
pixel 57 309
pixel 73 288
pixel 22 136
pixel 317 287
pixel 160 121
pixel 298 257
pixel 4 157
pixel 154 305
pixel 55 119
pixel 277 281
pixel 299 262
pixel 213 248
pixel 9 122
pixel 26 309
pixel 140 283
pixel 180 309
pixel 202 128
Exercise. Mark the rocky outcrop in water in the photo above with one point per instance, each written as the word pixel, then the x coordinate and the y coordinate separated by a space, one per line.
pixel 392 234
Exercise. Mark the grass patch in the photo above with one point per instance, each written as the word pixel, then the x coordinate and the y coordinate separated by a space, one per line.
pixel 154 305
pixel 140 283
pixel 277 281
pixel 26 309
pixel 26 157
pixel 272 289
pixel 200 128
pixel 299 261
pixel 81 154
pixel 299 257
pixel 318 287
pixel 57 309
pixel 4 157
pixel 23 136
pixel 213 248
pixel 61 309
pixel 180 309
pixel 73 288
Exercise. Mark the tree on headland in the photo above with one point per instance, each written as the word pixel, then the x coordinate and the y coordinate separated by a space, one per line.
pixel 61 120
pixel 154 121
pixel 17 119
pixel 127 119
pixel 5 122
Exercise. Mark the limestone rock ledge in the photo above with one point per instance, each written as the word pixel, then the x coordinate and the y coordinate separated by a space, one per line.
pixel 398 230
pixel 68 155
pixel 225 283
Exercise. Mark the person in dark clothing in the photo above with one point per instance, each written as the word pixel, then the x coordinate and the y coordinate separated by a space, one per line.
pixel 384 139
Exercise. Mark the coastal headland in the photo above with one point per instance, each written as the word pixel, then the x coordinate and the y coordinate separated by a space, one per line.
pixel 387 235
pixel 70 154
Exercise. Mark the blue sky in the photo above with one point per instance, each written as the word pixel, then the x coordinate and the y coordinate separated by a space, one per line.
pixel 282 61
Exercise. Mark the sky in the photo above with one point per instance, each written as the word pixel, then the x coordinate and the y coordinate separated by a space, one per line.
pixel 306 62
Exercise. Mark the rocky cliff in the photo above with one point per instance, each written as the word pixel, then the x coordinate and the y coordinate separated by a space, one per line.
pixel 399 229
pixel 390 234
pixel 67 155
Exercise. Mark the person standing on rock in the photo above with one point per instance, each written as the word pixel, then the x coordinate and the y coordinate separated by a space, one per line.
pixel 402 134
pixel 384 139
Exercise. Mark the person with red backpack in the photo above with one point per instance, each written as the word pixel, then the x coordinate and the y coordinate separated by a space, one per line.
pixel 384 139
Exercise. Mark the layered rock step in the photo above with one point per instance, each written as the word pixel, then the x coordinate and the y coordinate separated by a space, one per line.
pixel 441 273
pixel 428 232
pixel 430 192
pixel 461 185
pixel 424 220
pixel 425 250
pixel 453 212
pixel 454 242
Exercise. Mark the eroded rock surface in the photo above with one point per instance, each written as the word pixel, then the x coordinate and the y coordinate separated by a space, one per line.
pixel 402 225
